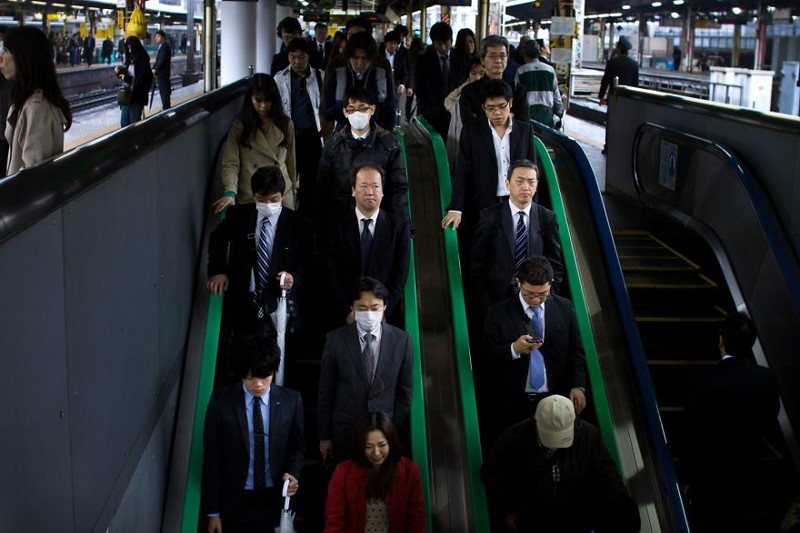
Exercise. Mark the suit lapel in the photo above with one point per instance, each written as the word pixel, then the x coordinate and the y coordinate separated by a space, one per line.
pixel 275 397
pixel 507 222
pixel 534 242
pixel 353 237
pixel 241 415
pixel 281 230
pixel 354 347
pixel 379 240
pixel 250 220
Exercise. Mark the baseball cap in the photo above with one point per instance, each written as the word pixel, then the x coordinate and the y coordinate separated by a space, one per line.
pixel 555 421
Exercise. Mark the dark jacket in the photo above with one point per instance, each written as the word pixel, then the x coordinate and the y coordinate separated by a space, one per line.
pixel 430 90
pixel 141 82
pixel 377 80
pixel 589 494
pixel 342 154
pixel 163 62
pixel 622 66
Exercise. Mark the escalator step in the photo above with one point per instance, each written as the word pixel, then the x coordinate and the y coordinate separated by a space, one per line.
pixel 656 264
pixel 668 280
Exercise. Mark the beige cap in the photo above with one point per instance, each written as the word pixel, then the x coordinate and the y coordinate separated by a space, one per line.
pixel 555 421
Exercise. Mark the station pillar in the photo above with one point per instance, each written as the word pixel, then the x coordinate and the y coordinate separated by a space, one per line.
pixel 266 23
pixel 238 31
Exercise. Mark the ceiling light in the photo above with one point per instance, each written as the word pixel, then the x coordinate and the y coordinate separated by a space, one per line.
pixel 625 7
pixel 736 10
pixel 674 15
pixel 678 2
pixel 656 4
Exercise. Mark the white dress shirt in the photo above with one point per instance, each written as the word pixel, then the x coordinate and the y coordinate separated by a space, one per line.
pixel 502 151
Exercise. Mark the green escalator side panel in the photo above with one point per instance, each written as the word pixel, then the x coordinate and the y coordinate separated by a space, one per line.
pixel 419 426
pixel 599 395
pixel 461 339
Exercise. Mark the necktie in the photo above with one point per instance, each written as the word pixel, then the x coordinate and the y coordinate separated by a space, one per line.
pixel 445 73
pixel 369 357
pixel 264 249
pixel 321 51
pixel 259 450
pixel 366 243
pixel 537 361
pixel 520 244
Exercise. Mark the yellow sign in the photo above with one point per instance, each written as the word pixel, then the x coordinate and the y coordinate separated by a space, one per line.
pixel 53 16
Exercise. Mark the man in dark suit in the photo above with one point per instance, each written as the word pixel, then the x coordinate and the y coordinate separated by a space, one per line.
pixel 366 366
pixel 494 57
pixel 88 49
pixel 729 409
pixel 322 46
pixel 510 232
pixel 531 347
pixel 367 241
pixel 621 66
pixel 438 72
pixel 162 69
pixel 268 242
pixel 398 58
pixel 247 458
pixel 486 150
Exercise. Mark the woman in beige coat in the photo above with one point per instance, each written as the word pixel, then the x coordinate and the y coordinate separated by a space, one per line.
pixel 261 135
pixel 39 113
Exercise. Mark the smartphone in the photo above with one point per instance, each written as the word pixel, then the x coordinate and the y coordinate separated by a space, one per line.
pixel 534 334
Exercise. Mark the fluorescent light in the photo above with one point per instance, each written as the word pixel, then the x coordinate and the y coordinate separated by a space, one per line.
pixel 674 15
pixel 736 10
pixel 677 2
pixel 625 7
pixel 656 4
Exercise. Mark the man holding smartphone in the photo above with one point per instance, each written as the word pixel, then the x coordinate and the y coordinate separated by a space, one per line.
pixel 532 349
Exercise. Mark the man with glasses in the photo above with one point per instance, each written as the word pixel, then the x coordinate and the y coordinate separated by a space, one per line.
pixel 366 241
pixel 300 86
pixel 531 349
pixel 494 56
pixel 358 144
pixel 361 71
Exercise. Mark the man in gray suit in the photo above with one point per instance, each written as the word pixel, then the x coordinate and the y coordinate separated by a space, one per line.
pixel 366 366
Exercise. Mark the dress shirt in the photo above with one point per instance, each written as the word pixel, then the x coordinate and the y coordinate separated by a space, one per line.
pixel 248 405
pixel 514 216
pixel 390 57
pixel 360 216
pixel 515 355
pixel 376 344
pixel 274 221
pixel 502 152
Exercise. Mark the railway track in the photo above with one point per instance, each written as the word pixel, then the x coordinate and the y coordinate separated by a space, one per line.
pixel 102 97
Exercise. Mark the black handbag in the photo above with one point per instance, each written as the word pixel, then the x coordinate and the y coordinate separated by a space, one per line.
pixel 124 95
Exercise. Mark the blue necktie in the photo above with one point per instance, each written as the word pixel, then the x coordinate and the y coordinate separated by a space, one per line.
pixel 366 243
pixel 520 244
pixel 264 248
pixel 259 449
pixel 537 361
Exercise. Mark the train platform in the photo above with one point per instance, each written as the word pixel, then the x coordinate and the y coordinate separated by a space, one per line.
pixel 99 121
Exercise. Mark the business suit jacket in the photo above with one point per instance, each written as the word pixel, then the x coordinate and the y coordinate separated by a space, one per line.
pixel 429 88
pixel 492 267
pixel 163 63
pixel 401 67
pixel 477 168
pixel 344 391
pixel 564 358
pixel 291 251
pixel 226 442
pixel 317 60
pixel 387 262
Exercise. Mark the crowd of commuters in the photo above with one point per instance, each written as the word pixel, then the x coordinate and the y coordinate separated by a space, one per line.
pixel 315 194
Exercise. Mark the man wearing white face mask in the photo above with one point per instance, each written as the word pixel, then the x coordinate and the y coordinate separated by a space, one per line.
pixel 360 144
pixel 366 366
pixel 267 241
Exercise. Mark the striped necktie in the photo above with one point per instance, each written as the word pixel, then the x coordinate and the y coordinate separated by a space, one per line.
pixel 520 243
pixel 264 249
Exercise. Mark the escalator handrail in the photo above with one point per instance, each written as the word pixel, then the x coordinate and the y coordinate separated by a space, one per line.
pixel 466 381
pixel 628 323
pixel 762 207
pixel 419 426
pixel 598 390
pixel 33 193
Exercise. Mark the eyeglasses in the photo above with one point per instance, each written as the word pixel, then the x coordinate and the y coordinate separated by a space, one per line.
pixel 538 295
pixel 493 108
pixel 495 55
pixel 351 110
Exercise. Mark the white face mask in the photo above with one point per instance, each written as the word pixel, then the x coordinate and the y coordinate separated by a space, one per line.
pixel 268 209
pixel 358 120
pixel 369 320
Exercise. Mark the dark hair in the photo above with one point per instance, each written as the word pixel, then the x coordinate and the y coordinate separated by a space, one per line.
pixel 359 22
pixel 359 94
pixel 267 181
pixel 738 335
pixel 417 46
pixel 366 284
pixel 493 40
pixel 262 85
pixel 521 163
pixel 531 49
pixel 365 166
pixel 134 50
pixel 256 356
pixel 461 40
pixel 319 25
pixel 535 271
pixel 380 480
pixel 290 25
pixel 361 41
pixel 298 44
pixel 441 32
pixel 161 33
pixel 392 37
pixel 338 38
pixel 494 89
pixel 473 62
pixel 402 30
pixel 33 57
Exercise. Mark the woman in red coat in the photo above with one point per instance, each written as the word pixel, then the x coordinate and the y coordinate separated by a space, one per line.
pixel 377 490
